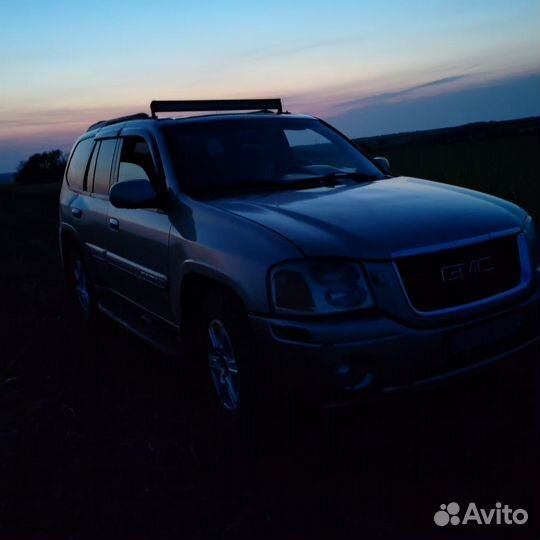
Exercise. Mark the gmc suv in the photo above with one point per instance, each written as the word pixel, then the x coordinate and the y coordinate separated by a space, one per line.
pixel 271 248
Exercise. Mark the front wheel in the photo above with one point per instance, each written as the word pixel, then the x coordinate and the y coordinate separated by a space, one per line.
pixel 225 348
pixel 223 365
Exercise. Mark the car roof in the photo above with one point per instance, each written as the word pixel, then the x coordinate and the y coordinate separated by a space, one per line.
pixel 138 121
pixel 259 109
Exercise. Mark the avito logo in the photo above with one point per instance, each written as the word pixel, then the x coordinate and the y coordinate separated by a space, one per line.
pixel 500 515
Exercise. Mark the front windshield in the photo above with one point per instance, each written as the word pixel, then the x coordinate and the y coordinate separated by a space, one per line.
pixel 226 156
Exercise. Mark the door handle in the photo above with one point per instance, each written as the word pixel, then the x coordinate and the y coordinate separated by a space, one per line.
pixel 114 224
pixel 76 212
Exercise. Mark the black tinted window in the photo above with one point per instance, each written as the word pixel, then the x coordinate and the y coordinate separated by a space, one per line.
pixel 77 165
pixel 104 162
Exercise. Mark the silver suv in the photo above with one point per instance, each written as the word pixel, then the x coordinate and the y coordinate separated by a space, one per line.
pixel 269 247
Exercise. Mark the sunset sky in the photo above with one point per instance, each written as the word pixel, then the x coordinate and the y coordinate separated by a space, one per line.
pixel 370 67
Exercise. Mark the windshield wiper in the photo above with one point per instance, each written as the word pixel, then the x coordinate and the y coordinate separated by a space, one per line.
pixel 334 176
pixel 309 182
pixel 272 185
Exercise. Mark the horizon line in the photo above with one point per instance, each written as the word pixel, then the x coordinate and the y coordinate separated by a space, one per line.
pixel 393 134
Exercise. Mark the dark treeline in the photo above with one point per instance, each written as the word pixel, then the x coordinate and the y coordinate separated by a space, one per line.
pixel 42 167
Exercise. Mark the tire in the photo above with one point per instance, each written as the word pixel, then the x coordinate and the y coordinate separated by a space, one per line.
pixel 225 350
pixel 81 287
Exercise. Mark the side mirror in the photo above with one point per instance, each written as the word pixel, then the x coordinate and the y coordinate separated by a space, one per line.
pixel 135 194
pixel 382 163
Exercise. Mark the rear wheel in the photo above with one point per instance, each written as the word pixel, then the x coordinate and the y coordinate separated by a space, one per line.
pixel 82 289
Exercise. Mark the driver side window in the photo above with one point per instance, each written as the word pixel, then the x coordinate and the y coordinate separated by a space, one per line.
pixel 131 171
pixel 135 160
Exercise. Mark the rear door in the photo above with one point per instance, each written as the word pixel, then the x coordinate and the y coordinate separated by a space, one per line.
pixel 138 240
pixel 89 210
pixel 98 185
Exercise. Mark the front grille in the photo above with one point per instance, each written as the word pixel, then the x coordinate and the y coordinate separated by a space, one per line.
pixel 458 276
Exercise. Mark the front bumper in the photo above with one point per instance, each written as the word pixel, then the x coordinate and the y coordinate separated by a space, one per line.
pixel 340 360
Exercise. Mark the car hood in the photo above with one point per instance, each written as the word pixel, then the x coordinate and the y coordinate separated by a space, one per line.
pixel 374 220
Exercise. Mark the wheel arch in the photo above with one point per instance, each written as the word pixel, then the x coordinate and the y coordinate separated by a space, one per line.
pixel 196 282
pixel 193 286
pixel 68 242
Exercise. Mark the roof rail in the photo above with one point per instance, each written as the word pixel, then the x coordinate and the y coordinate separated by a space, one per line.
pixel 215 105
pixel 103 123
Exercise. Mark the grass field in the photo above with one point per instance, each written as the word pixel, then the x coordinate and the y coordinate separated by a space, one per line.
pixel 102 437
pixel 500 158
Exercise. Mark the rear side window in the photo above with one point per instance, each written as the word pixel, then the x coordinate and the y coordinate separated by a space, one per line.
pixel 104 163
pixel 78 163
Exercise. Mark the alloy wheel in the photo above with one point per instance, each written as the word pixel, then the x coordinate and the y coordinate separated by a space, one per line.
pixel 82 291
pixel 223 365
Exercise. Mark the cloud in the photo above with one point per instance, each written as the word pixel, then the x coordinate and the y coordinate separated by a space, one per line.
pixel 506 99
pixel 42 122
pixel 387 96
pixel 438 82
pixel 318 44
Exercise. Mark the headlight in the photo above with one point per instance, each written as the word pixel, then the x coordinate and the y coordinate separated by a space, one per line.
pixel 318 287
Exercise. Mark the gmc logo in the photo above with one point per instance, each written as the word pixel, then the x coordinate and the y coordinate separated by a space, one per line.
pixel 460 271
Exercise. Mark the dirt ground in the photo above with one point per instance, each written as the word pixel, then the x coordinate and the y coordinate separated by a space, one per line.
pixel 101 437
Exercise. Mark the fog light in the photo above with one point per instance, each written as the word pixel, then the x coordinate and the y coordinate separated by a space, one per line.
pixel 366 381
pixel 343 369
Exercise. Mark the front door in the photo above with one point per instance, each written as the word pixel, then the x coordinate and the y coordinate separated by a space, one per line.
pixel 138 247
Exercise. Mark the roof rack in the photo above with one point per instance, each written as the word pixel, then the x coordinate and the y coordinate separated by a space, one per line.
pixel 215 105
pixel 103 123
pixel 263 105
